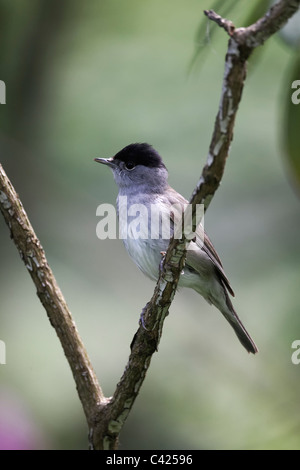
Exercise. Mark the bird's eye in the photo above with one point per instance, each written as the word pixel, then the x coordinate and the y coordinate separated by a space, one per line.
pixel 129 165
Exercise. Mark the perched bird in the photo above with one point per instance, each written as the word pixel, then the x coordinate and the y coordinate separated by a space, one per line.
pixel 142 179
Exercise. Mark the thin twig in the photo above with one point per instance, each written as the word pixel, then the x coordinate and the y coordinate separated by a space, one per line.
pixel 222 22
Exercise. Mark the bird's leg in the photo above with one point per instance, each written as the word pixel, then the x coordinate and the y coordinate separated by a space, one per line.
pixel 142 319
pixel 162 260
pixel 142 316
pixel 141 322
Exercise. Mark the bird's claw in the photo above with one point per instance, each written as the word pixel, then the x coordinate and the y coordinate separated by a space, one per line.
pixel 162 260
pixel 142 319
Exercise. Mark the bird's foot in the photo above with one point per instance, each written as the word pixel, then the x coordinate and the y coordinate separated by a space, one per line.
pixel 162 260
pixel 142 317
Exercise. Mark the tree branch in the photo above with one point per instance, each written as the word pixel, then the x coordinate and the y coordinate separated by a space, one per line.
pixel 106 417
pixel 50 295
pixel 145 342
pixel 222 22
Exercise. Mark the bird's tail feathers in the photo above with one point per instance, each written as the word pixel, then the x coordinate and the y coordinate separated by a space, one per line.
pixel 241 332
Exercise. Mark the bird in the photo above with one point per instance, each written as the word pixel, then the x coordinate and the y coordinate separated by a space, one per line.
pixel 143 189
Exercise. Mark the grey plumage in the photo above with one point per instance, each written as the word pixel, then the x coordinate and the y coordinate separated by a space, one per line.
pixel 142 178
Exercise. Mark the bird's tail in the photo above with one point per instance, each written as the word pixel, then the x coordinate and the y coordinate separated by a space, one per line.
pixel 241 332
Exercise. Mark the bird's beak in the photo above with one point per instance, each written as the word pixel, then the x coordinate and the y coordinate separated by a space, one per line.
pixel 106 161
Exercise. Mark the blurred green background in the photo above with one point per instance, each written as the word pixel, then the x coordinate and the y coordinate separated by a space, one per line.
pixel 84 79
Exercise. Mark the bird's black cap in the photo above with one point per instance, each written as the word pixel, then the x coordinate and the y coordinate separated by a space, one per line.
pixel 140 154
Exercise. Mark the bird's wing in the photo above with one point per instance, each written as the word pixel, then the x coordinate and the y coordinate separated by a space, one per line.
pixel 209 249
pixel 202 240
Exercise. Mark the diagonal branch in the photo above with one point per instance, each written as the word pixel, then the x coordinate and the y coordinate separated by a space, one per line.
pixel 50 295
pixel 145 342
